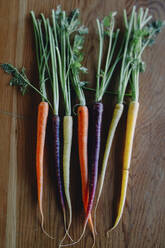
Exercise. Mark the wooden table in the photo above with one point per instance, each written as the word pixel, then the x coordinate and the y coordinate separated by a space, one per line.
pixel 143 222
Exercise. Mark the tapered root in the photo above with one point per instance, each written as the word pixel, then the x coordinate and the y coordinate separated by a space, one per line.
pixel 43 229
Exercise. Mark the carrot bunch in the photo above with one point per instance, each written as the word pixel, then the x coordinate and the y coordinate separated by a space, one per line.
pixel 106 32
pixel 138 35
pixel 58 48
pixel 142 34
pixel 59 41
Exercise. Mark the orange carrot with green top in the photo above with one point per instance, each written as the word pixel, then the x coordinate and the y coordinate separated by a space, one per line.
pixel 20 79
pixel 43 110
pixel 82 113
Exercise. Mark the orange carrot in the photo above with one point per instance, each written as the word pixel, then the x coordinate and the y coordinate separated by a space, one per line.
pixel 43 109
pixel 82 141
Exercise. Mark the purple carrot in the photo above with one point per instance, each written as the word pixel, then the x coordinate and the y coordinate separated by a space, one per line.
pixel 56 153
pixel 95 151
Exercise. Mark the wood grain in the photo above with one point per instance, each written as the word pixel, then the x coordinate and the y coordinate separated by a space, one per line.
pixel 143 222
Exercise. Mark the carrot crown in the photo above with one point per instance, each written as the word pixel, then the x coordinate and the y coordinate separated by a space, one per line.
pixel 106 29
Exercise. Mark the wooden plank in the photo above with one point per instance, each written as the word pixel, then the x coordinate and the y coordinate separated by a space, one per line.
pixel 143 222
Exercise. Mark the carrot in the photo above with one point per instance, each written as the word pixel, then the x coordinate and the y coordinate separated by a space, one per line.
pixel 42 62
pixel 42 113
pixel 115 120
pixel 82 140
pixel 75 52
pixel 56 153
pixel 130 130
pixel 20 79
pixel 43 109
pixel 96 136
pixel 67 143
pixel 76 55
pixel 141 36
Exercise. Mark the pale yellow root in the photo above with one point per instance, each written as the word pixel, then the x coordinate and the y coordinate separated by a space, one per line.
pixel 67 137
pixel 113 125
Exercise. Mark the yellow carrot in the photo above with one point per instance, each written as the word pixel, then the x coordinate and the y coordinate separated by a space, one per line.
pixel 113 125
pixel 130 130
pixel 68 126
pixel 67 137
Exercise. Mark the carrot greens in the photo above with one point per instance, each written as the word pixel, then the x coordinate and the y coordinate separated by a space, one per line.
pixel 42 53
pixel 106 30
pixel 20 80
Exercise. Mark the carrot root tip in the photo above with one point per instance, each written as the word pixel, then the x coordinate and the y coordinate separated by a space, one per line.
pixel 46 233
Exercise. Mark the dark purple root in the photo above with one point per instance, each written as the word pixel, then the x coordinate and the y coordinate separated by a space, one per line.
pixel 56 154
pixel 97 111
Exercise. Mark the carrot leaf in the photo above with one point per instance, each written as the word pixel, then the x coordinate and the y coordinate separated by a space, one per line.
pixel 20 80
